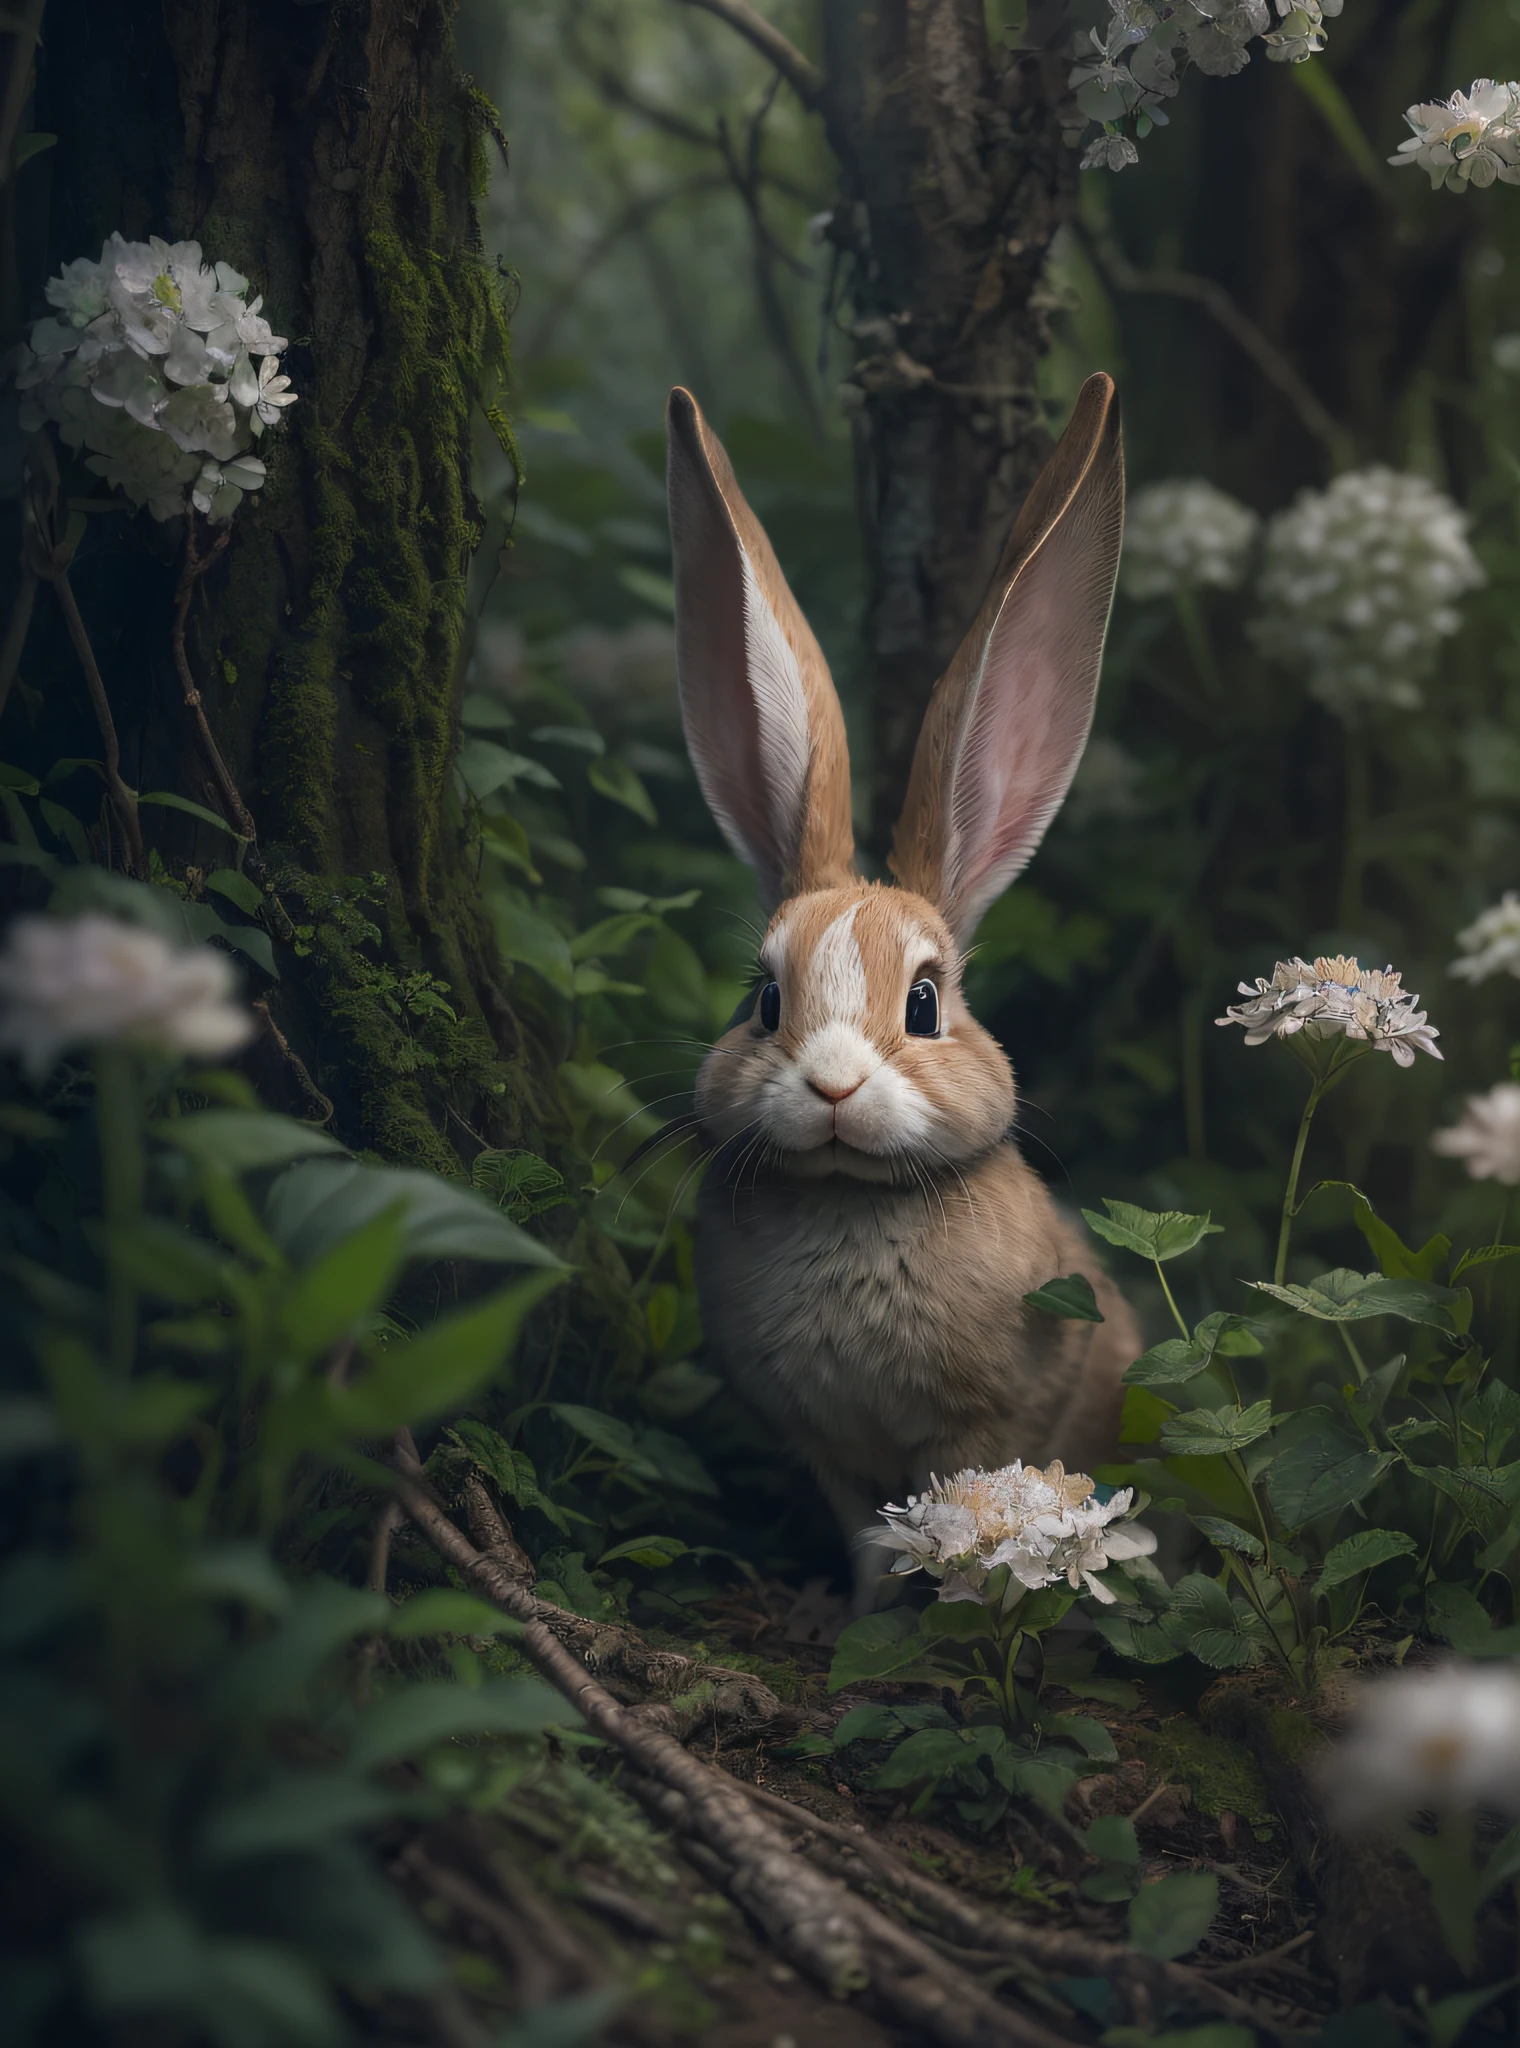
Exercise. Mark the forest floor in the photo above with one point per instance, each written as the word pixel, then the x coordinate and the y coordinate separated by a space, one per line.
pixel 715 1882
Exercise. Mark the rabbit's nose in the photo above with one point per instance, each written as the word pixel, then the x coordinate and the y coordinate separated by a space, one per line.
pixel 829 1092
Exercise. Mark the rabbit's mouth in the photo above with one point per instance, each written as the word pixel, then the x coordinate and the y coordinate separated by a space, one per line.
pixel 834 1156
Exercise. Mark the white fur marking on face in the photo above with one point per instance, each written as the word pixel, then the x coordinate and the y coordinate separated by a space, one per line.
pixel 837 973
pixel 781 709
pixel 773 952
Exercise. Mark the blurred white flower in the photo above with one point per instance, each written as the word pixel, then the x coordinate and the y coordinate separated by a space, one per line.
pixel 1491 943
pixel 1359 584
pixel 1472 138
pixel 93 980
pixel 1443 1740
pixel 1505 352
pixel 1184 534
pixel 1334 996
pixel 152 364
pixel 1487 1135
pixel 1044 1526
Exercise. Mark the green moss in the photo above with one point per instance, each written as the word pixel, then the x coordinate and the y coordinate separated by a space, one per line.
pixel 1223 1776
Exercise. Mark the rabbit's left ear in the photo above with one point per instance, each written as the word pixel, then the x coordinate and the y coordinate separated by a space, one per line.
pixel 1009 718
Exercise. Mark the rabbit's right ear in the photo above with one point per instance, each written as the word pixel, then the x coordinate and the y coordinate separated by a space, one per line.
pixel 763 724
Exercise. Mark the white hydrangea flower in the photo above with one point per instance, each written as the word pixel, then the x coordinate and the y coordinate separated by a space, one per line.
pixel 1044 1526
pixel 1333 996
pixel 1359 586
pixel 94 980
pixel 1487 1135
pixel 1442 1740
pixel 1302 34
pixel 156 368
pixel 1491 943
pixel 1184 534
pixel 1470 139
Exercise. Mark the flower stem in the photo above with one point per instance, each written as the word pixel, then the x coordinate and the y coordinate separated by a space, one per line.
pixel 1291 1190
pixel 1170 1299
pixel 1356 1356
pixel 119 1127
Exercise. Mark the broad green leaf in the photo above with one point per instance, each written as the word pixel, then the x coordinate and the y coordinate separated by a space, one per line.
pixel 1201 1432
pixel 674 1461
pixel 18 780
pixel 297 1810
pixel 1150 1233
pixel 243 1140
pixel 1395 1259
pixel 525 935
pixel 1228 1535
pixel 1070 1296
pixel 312 1206
pixel 271 1673
pixel 607 1433
pixel 656 591
pixel 1458 1617
pixel 170 1264
pixel 418 1717
pixel 614 778
pixel 1086 1734
pixel 613 935
pixel 485 766
pixel 1170 1917
pixel 441 1610
pixel 1205 1620
pixel 1346 1297
pixel 655 1552
pixel 237 889
pixel 1112 1836
pixel 239 1571
pixel 341 1290
pixel 1144 1417
pixel 171 802
pixel 1175 1361
pixel 1486 1495
pixel 411 1383
pixel 519 1182
pixel 877 1646
pixel 1142 1640
pixel 1361 1553
pixel 1320 1466
pixel 868 1724
pixel 932 1753
pixel 583 738
pixel 511 1468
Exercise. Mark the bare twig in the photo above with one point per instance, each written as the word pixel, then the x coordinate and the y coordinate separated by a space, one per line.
pixel 492 1535
pixel 387 1523
pixel 1121 275
pixel 839 1940
pixel 196 565
pixel 294 1060
pixel 1264 1959
pixel 800 72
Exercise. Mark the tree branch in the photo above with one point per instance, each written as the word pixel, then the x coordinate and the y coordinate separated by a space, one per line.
pixel 800 72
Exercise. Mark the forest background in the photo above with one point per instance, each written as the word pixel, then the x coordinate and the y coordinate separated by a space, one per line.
pixel 493 928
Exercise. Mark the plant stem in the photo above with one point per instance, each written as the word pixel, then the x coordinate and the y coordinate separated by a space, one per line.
pixel 1286 1231
pixel 1170 1300
pixel 119 1129
pixel 1356 1356
pixel 123 802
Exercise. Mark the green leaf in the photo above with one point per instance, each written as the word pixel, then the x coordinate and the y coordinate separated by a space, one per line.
pixel 877 1646
pixel 1458 1617
pixel 440 1610
pixel 243 1140
pixel 512 1469
pixel 272 1672
pixel 298 1810
pixel 1151 1233
pixel 237 889
pixel 867 1724
pixel 1144 1416
pixel 485 766
pixel 933 1753
pixel 418 1717
pixel 1201 1432
pixel 653 1551
pixel 1320 1466
pixel 1177 1360
pixel 1483 1255
pixel 1228 1535
pixel 1346 1297
pixel 614 778
pixel 170 801
pixel 1086 1734
pixel 1446 2019
pixel 525 935
pixel 342 1289
pixel 1169 1918
pixel 604 1432
pixel 656 591
pixel 33 144
pixel 519 1182
pixel 584 738
pixel 1112 1836
pixel 1071 1296
pixel 413 1382
pixel 171 1264
pixel 1205 1620
pixel 1361 1553
pixel 611 936
pixel 311 1207
pixel 18 780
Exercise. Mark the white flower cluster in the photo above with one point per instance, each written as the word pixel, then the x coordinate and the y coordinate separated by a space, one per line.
pixel 1358 587
pixel 1487 1135
pixel 1125 70
pixel 1328 997
pixel 1443 1740
pixel 94 980
pixel 1184 534
pixel 1044 1526
pixel 156 365
pixel 1491 943
pixel 1470 139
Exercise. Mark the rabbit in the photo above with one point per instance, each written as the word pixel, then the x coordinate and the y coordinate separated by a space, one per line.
pixel 867 1228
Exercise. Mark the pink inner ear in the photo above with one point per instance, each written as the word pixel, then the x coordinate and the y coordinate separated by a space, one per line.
pixel 1031 713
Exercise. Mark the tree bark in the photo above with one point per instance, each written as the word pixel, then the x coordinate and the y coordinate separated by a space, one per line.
pixel 954 179
pixel 334 154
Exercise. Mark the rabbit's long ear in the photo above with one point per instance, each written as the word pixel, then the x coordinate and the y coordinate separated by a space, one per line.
pixel 1009 718
pixel 763 725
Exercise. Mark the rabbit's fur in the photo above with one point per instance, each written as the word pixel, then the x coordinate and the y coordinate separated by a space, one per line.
pixel 868 1228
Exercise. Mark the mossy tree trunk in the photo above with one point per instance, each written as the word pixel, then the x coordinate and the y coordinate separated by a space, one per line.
pixel 954 179
pixel 334 154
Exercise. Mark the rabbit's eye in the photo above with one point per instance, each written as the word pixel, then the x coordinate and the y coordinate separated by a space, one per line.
pixel 922 1019
pixel 770 1005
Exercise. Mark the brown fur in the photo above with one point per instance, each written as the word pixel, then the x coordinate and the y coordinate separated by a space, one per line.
pixel 868 1228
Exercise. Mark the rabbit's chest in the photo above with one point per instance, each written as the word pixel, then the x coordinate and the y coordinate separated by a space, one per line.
pixel 827 1312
